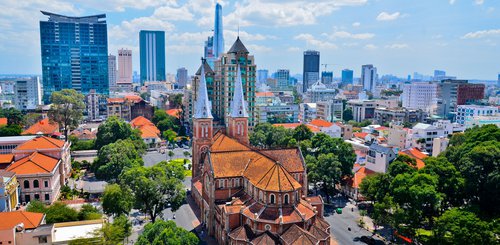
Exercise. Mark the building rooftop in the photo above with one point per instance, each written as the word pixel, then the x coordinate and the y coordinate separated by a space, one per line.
pixel 42 142
pixel 36 163
pixel 43 126
pixel 88 19
pixel 380 148
pixel 68 231
pixel 415 154
pixel 16 139
pixel 29 220
pixel 238 47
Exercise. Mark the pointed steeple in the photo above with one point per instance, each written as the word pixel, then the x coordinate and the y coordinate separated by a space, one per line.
pixel 238 47
pixel 203 107
pixel 238 105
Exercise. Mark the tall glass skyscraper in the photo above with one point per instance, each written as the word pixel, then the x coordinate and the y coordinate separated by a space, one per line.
pixel 218 32
pixel 347 77
pixel 74 54
pixel 311 69
pixel 152 55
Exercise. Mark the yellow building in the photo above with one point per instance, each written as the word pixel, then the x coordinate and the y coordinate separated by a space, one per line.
pixel 9 191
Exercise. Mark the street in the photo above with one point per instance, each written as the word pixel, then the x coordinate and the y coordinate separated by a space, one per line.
pixel 153 157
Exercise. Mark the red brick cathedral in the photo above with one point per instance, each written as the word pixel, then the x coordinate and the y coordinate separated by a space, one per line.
pixel 248 195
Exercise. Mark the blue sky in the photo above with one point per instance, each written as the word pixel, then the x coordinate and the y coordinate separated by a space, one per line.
pixel 397 36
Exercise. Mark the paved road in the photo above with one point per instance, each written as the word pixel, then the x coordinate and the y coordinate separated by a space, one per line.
pixel 153 157
pixel 340 223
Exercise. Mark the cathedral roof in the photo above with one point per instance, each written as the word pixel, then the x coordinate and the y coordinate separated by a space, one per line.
pixel 238 47
pixel 238 104
pixel 202 108
pixel 297 235
pixel 205 66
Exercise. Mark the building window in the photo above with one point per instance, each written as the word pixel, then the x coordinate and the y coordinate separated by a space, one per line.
pixel 27 198
pixel 261 196
pixel 221 183
pixel 36 184
pixel 46 184
pixel 272 197
pixel 286 199
pixel 26 184
pixel 267 227
pixel 37 197
pixel 47 197
pixel 42 239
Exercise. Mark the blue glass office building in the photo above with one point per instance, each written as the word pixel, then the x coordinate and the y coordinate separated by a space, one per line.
pixel 152 54
pixel 347 77
pixel 74 54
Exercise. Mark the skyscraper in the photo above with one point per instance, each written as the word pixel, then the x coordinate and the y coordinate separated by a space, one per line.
pixel 208 51
pixel 28 93
pixel 439 75
pixel 218 32
pixel 111 71
pixel 262 76
pixel 327 77
pixel 152 55
pixel 498 82
pixel 282 77
pixel 124 67
pixel 368 77
pixel 347 77
pixel 74 54
pixel 311 69
pixel 181 77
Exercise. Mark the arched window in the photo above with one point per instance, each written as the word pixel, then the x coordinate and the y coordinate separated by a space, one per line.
pixel 36 184
pixel 261 195
pixel 272 197
pixel 267 227
pixel 26 184
pixel 286 199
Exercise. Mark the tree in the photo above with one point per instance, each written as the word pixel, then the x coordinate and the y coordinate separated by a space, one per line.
pixel 36 206
pixel 89 212
pixel 113 233
pixel 60 212
pixel 166 232
pixel 175 100
pixel 450 182
pixel 114 129
pixel 170 136
pixel 459 227
pixel 117 200
pixel 302 132
pixel 186 154
pixel 347 115
pixel 113 158
pixel 327 169
pixel 13 115
pixel 171 154
pixel 11 130
pixel 155 188
pixel 66 109
pixel 266 135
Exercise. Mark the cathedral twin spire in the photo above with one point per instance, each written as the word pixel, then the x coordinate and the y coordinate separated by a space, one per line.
pixel 238 105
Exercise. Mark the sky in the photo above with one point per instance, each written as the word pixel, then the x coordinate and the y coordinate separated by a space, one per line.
pixel 399 37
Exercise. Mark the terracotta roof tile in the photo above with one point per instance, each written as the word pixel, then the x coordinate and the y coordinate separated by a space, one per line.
pixel 275 178
pixel 221 142
pixel 313 128
pixel 3 121
pixel 360 135
pixel 134 98
pixel 140 121
pixel 415 154
pixel 290 215
pixel 42 127
pixel 289 158
pixel 360 175
pixel 149 131
pixel 242 233
pixel 315 200
pixel 6 158
pixel 318 233
pixel 115 100
pixel 264 94
pixel 42 142
pixel 321 123
pixel 296 235
pixel 29 219
pixel 36 163
pixel 265 238
pixel 238 161
pixel 174 112
pixel 321 223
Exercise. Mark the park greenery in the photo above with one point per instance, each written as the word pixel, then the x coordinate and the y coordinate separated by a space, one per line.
pixel 328 159
pixel 60 212
pixel 455 195
pixel 116 200
pixel 169 126
pixel 15 122
pixel 166 232
pixel 114 129
pixel 112 159
pixel 110 234
pixel 66 109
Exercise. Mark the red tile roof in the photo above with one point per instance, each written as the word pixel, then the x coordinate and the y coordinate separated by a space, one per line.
pixel 264 94
pixel 3 121
pixel 360 135
pixel 415 154
pixel 140 121
pixel 296 235
pixel 36 163
pixel 321 123
pixel 313 128
pixel 30 220
pixel 174 112
pixel 42 142
pixel 42 127
pixel 6 158
pixel 360 175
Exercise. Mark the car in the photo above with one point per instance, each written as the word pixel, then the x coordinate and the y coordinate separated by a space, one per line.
pixel 368 240
pixel 338 210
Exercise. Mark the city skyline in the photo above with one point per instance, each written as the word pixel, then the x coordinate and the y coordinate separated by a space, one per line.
pixel 459 37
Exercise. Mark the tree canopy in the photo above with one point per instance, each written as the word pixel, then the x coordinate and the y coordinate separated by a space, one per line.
pixel 114 158
pixel 166 232
pixel 114 129
pixel 117 200
pixel 66 109
pixel 60 212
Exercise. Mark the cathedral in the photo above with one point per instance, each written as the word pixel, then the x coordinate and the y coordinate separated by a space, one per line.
pixel 248 195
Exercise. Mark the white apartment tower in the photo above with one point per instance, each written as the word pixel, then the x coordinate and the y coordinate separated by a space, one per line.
pixel 369 77
pixel 420 95
pixel 112 70
pixel 28 93
pixel 124 66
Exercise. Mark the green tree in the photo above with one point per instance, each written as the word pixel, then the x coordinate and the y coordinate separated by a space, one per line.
pixel 186 154
pixel 326 169
pixel 157 187
pixel 115 233
pixel 166 232
pixel 117 200
pixel 175 100
pixel 11 130
pixel 66 109
pixel 302 132
pixel 462 228
pixel 89 212
pixel 36 206
pixel 347 115
pixel 171 154
pixel 13 115
pixel 266 135
pixel 60 212
pixel 170 136
pixel 113 158
pixel 450 182
pixel 114 129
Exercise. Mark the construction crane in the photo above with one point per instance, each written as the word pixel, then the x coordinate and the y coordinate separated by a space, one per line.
pixel 326 65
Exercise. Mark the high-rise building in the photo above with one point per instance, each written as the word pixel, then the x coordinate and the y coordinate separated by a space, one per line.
pixel 181 77
pixel 311 69
pixel 92 105
pixel 498 82
pixel 347 77
pixel 208 51
pixel 262 76
pixel 368 77
pixel 124 66
pixel 152 55
pixel 28 93
pixel 74 54
pixel 327 77
pixel 218 32
pixel 419 95
pixel 439 75
pixel 282 77
pixel 111 71
pixel 452 93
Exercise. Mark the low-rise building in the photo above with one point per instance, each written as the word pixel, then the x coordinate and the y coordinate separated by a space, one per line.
pixel 9 143
pixel 379 157
pixel 277 113
pixel 42 127
pixel 482 120
pixel 398 115
pixel 422 135
pixel 92 105
pixel 149 132
pixel 307 112
pixel 439 145
pixel 129 107
pixel 397 136
pixel 9 191
pixel 24 228
pixel 466 112
pixel 320 92
pixel 362 109
pixel 330 110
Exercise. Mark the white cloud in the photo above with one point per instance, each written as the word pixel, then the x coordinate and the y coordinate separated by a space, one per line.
pixel 345 34
pixel 254 48
pixel 481 34
pixel 397 46
pixel 478 2
pixel 384 16
pixel 356 24
pixel 452 2
pixel 312 41
pixel 370 47
pixel 170 13
pixel 293 49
